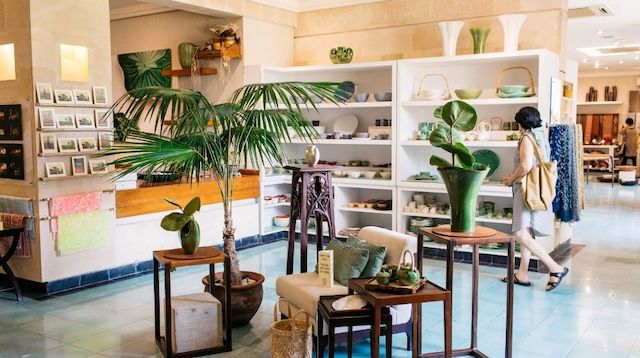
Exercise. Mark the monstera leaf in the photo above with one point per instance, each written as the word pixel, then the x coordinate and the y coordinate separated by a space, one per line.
pixel 142 69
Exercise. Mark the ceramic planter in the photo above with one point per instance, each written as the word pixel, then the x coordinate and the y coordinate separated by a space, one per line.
pixel 463 186
pixel 341 55
pixel 450 31
pixel 245 299
pixel 479 39
pixel 186 50
pixel 190 237
pixel 511 24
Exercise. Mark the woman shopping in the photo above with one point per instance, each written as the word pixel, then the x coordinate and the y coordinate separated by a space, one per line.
pixel 528 224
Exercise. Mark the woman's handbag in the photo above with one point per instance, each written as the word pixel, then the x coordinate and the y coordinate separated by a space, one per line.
pixel 291 338
pixel 539 185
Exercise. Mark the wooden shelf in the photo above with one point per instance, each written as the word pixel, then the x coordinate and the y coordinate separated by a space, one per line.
pixel 476 143
pixel 67 177
pixel 600 103
pixel 233 52
pixel 186 72
pixel 69 154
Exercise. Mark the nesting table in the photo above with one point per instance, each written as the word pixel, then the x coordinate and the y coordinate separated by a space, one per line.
pixel 14 233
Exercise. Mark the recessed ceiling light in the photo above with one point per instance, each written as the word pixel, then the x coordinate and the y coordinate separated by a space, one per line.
pixel 637 58
pixel 606 68
pixel 600 32
pixel 621 62
pixel 596 64
pixel 584 60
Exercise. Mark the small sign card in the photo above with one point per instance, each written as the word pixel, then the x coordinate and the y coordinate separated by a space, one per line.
pixel 325 267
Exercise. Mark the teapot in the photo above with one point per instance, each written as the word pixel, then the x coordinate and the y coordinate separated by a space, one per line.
pixel 341 54
pixel 484 130
pixel 407 274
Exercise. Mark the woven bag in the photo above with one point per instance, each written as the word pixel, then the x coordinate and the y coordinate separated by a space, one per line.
pixel 539 185
pixel 291 338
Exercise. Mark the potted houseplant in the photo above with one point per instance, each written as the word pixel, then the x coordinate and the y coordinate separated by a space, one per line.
pixel 215 139
pixel 462 176
pixel 185 224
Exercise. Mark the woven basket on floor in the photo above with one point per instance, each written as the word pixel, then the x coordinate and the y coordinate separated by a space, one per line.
pixel 291 338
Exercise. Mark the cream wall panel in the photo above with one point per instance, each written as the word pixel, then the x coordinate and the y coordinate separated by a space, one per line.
pixel 267 43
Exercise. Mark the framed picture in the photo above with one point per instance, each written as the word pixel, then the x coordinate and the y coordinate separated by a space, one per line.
pixel 55 169
pixel 65 121
pixel 103 119
pixel 100 95
pixel 105 140
pixel 79 165
pixel 88 144
pixel 11 161
pixel 85 121
pixel 64 96
pixel 47 117
pixel 67 145
pixel 48 143
pixel 97 166
pixel 82 96
pixel 10 122
pixel 44 94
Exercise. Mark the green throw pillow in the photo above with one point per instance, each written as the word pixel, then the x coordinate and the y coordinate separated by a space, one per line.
pixel 377 255
pixel 348 261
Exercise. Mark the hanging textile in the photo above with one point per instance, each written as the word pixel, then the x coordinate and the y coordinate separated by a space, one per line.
pixel 580 164
pixel 83 231
pixel 23 206
pixel 562 139
pixel 74 203
pixel 24 245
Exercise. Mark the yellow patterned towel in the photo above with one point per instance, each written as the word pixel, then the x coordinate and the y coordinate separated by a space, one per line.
pixel 83 231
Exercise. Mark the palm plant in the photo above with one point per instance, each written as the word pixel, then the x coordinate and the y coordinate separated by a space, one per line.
pixel 203 137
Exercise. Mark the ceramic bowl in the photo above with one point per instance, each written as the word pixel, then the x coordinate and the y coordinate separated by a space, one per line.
pixel 511 89
pixel 370 174
pixel 468 93
pixel 354 175
pixel 281 220
pixel 361 97
pixel 433 92
pixel 323 135
pixel 385 175
pixel 362 135
pixel 382 136
pixel 382 96
pixel 362 205
pixel 370 205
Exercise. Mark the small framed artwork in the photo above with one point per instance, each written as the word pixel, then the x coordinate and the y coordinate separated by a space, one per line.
pixel 47 117
pixel 44 94
pixel 103 119
pixel 79 165
pixel 84 120
pixel 65 121
pixel 100 95
pixel 55 169
pixel 11 122
pixel 48 143
pixel 68 145
pixel 82 96
pixel 88 144
pixel 64 96
pixel 105 140
pixel 97 167
pixel 12 161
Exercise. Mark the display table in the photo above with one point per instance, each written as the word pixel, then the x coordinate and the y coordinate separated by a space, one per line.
pixel 429 293
pixel 474 241
pixel 172 259
pixel 14 233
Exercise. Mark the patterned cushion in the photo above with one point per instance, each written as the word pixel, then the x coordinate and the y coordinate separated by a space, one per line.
pixel 376 255
pixel 348 261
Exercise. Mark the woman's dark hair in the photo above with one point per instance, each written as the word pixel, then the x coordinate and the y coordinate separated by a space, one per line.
pixel 528 118
pixel 629 121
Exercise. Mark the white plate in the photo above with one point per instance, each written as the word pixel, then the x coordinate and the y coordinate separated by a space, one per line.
pixel 346 124
pixel 352 302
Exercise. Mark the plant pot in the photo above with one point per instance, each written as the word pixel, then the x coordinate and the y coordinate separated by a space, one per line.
pixel 245 299
pixel 186 50
pixel 190 237
pixel 463 186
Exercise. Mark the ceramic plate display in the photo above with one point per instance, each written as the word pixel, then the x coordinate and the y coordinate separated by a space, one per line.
pixel 487 157
pixel 514 95
pixel 346 124
pixel 345 91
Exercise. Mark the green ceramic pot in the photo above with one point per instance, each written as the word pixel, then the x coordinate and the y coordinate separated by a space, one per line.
pixel 190 237
pixel 186 50
pixel 479 39
pixel 463 186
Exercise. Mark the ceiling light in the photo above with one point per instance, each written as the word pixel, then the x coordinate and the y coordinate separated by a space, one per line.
pixel 621 62
pixel 606 68
pixel 600 32
pixel 637 58
pixel 596 64
pixel 584 60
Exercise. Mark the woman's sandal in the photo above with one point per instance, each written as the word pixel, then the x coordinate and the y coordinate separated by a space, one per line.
pixel 552 285
pixel 516 281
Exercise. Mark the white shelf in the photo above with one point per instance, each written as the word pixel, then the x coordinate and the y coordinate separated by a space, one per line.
pixel 342 142
pixel 477 143
pixel 366 211
pixel 346 67
pixel 341 105
pixel 277 205
pixel 273 229
pixel 475 102
pixel 363 183
pixel 488 189
pixel 600 103
pixel 276 179
pixel 443 216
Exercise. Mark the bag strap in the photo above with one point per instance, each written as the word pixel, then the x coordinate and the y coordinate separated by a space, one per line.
pixel 404 258
pixel 276 306
pixel 536 147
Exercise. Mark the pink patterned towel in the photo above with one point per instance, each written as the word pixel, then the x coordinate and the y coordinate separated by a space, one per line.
pixel 24 244
pixel 74 203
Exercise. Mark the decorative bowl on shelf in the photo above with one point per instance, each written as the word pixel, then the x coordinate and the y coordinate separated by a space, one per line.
pixel 361 97
pixel 382 96
pixel 281 220
pixel 362 135
pixel 468 93
pixel 511 89
pixel 385 175
pixel 354 174
pixel 344 91
pixel 370 174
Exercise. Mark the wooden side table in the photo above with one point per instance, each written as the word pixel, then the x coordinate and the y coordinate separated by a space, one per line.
pixel 172 259
pixel 474 241
pixel 15 233
pixel 429 293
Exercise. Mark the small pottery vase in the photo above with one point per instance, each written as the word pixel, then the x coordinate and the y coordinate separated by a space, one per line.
pixel 312 155
pixel 190 237
pixel 479 39
pixel 186 50
pixel 450 31
pixel 511 24
pixel 341 55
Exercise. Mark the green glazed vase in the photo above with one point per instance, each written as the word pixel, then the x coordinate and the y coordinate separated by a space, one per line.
pixel 186 50
pixel 341 54
pixel 479 39
pixel 463 186
pixel 190 237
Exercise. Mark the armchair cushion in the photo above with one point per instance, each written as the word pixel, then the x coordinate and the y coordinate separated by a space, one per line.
pixel 348 260
pixel 303 290
pixel 377 254
pixel 395 242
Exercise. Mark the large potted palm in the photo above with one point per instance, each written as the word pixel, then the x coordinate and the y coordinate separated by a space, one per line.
pixel 205 138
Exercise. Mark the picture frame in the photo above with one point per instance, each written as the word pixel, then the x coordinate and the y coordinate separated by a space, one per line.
pixel 44 93
pixel 100 95
pixel 82 96
pixel 84 120
pixel 48 143
pixel 11 161
pixel 79 165
pixel 67 145
pixel 97 167
pixel 105 140
pixel 65 121
pixel 55 169
pixel 64 96
pixel 87 144
pixel 103 120
pixel 10 122
pixel 47 117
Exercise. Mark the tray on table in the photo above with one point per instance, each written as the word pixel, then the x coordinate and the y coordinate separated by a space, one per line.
pixel 395 287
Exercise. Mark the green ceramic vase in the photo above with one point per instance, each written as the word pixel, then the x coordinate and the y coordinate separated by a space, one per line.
pixel 463 186
pixel 190 237
pixel 341 55
pixel 479 39
pixel 186 50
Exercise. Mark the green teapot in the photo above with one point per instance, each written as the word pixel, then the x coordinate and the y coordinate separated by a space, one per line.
pixel 341 54
pixel 383 278
pixel 391 269
pixel 407 273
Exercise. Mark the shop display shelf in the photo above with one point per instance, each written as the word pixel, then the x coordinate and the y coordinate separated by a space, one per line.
pixel 69 177
pixel 69 154
pixel 64 105
pixel 362 183
pixel 366 211
pixel 475 102
pixel 488 189
pixel 73 130
pixel 276 179
pixel 343 142
pixel 342 105
pixel 600 103
pixel 444 216
pixel 267 206
pixel 476 143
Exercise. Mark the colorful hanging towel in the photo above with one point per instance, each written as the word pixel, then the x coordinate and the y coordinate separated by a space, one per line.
pixel 17 205
pixel 83 231
pixel 566 205
pixel 74 203
pixel 24 245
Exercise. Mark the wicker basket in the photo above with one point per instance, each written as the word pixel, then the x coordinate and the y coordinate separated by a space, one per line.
pixel 422 95
pixel 291 338
pixel 532 86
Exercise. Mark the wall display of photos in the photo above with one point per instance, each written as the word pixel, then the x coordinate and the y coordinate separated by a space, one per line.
pixel 12 161
pixel 96 95
pixel 10 122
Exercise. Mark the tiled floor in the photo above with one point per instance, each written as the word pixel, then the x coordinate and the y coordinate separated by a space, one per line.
pixel 595 313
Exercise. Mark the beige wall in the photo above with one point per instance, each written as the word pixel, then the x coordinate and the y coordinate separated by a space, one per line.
pixel 267 43
pixel 408 28
pixel 625 84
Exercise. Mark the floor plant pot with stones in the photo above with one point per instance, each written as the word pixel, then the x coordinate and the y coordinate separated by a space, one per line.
pixel 245 298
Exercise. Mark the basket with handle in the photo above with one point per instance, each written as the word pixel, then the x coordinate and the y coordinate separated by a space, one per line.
pixel 291 338
pixel 423 94
pixel 532 86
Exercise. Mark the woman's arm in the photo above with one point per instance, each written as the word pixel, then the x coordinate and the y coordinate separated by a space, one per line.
pixel 526 162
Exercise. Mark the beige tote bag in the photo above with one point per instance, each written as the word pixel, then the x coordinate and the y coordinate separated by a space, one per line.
pixel 291 338
pixel 539 185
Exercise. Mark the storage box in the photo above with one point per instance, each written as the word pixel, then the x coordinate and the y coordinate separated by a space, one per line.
pixel 197 322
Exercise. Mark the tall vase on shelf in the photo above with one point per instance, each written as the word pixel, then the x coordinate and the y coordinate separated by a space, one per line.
pixel 511 25
pixel 450 31
pixel 186 51
pixel 479 39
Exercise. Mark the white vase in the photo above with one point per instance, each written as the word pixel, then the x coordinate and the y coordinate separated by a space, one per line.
pixel 312 155
pixel 450 31
pixel 511 24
